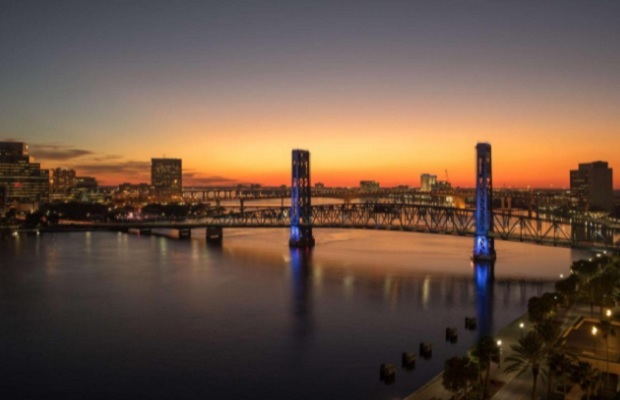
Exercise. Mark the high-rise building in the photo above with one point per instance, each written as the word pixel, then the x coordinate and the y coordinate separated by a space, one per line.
pixel 166 177
pixel 369 186
pixel 86 182
pixel 13 152
pixel 427 182
pixel 26 185
pixel 62 180
pixel 592 186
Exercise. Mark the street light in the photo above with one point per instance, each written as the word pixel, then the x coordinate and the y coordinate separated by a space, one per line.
pixel 608 313
pixel 521 325
pixel 594 332
pixel 499 355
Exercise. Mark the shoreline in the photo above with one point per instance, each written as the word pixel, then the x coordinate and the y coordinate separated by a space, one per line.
pixel 434 390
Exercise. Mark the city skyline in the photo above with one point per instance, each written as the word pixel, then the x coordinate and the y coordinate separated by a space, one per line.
pixel 380 92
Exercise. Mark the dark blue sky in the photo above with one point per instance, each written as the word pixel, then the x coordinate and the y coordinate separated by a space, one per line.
pixel 90 74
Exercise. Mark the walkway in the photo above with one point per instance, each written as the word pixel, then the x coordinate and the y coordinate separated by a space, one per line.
pixel 516 387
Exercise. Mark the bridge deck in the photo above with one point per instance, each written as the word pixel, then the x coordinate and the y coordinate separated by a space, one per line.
pixel 403 217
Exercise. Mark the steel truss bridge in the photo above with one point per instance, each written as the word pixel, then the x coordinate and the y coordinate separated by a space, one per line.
pixel 553 231
pixel 505 198
pixel 436 219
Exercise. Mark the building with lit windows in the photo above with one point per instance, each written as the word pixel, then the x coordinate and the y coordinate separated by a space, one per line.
pixel 369 186
pixel 167 177
pixel 25 184
pixel 427 182
pixel 62 180
pixel 591 186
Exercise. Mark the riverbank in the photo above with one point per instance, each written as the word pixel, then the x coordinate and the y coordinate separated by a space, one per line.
pixel 509 335
pixel 511 385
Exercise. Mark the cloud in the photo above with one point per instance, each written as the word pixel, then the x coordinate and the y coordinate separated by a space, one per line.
pixel 191 179
pixel 207 181
pixel 125 168
pixel 110 157
pixel 57 152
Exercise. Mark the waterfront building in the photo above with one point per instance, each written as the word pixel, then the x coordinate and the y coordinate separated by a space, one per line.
pixel 166 177
pixel 66 186
pixel 87 189
pixel 26 185
pixel 369 186
pixel 2 199
pixel 427 182
pixel 591 186
pixel 133 192
pixel 442 186
pixel 62 180
pixel 86 182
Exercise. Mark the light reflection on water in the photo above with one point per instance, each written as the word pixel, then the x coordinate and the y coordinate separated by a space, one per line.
pixel 104 315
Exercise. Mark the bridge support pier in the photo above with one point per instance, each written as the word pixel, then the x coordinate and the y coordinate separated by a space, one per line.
pixel 301 208
pixel 185 233
pixel 484 246
pixel 214 234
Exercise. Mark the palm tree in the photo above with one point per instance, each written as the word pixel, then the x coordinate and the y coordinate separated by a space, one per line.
pixel 568 288
pixel 529 355
pixel 549 333
pixel 588 378
pixel 607 329
pixel 561 365
pixel 459 373
pixel 586 270
pixel 485 352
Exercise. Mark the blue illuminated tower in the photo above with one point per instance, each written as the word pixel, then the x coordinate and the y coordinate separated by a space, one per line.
pixel 301 208
pixel 484 247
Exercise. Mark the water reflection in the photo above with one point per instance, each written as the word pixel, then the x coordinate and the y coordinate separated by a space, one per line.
pixel 301 273
pixel 484 277
pixel 250 310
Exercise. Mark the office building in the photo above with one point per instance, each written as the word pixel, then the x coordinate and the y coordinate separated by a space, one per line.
pixel 591 186
pixel 62 180
pixel 166 177
pixel 86 182
pixel 427 182
pixel 25 184
pixel 369 186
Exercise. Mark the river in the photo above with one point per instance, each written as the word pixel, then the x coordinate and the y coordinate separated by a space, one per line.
pixel 114 315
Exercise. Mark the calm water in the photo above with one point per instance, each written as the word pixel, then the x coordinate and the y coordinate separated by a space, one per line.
pixel 107 315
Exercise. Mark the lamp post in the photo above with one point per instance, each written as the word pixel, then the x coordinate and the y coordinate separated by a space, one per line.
pixel 594 332
pixel 499 355
pixel 521 325
pixel 606 331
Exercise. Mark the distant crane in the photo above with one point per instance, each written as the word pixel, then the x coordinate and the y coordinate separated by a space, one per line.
pixel 447 177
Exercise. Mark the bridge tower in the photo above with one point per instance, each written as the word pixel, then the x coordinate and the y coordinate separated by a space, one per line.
pixel 301 208
pixel 484 246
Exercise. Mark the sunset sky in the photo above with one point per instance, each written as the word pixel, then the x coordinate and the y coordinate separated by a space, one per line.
pixel 376 90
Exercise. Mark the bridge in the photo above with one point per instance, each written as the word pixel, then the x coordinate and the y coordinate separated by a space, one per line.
pixel 519 227
pixel 246 195
pixel 505 199
pixel 482 222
